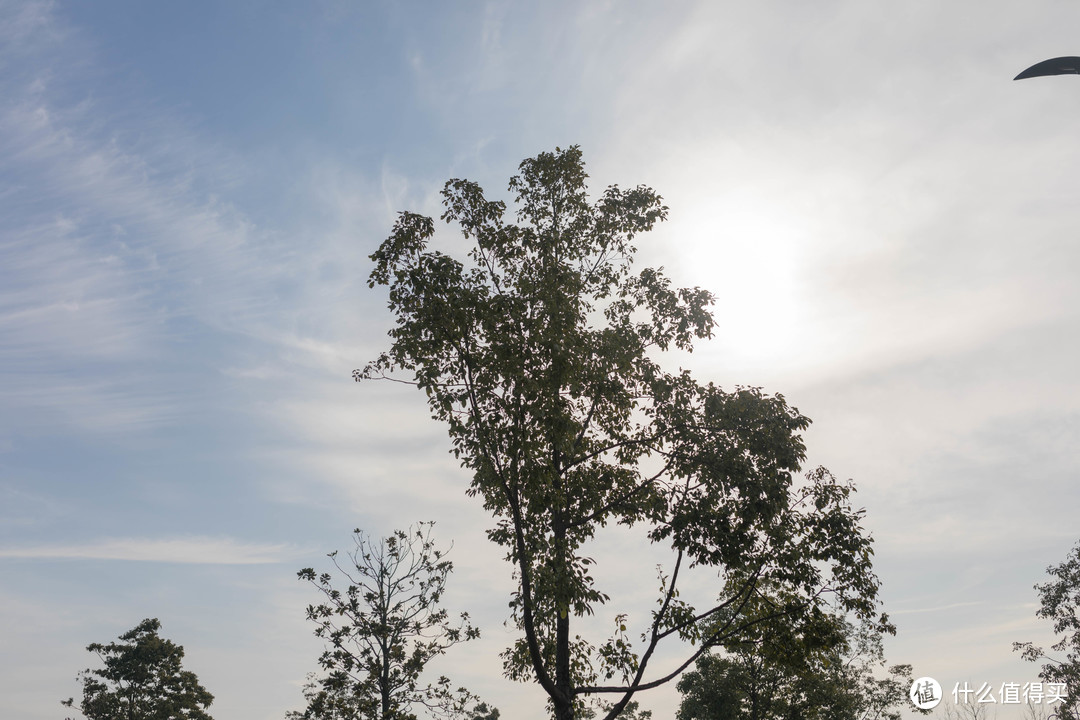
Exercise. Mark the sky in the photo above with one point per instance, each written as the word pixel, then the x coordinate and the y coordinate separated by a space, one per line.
pixel 189 193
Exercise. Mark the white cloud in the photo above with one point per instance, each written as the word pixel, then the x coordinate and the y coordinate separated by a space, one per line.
pixel 190 550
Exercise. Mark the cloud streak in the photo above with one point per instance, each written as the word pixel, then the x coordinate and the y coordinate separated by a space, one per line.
pixel 190 550
pixel 938 608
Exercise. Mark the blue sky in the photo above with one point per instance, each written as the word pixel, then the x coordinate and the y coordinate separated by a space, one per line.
pixel 189 193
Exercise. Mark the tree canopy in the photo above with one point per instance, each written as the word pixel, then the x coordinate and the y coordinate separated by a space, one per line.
pixel 540 353
pixel 383 628
pixel 142 679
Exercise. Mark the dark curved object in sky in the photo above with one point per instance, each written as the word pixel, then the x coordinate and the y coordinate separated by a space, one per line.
pixel 1054 66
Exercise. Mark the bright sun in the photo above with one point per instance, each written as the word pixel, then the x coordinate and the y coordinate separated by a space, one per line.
pixel 750 252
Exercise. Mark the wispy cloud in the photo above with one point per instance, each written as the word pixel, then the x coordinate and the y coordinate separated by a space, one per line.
pixel 191 550
pixel 938 608
pixel 113 245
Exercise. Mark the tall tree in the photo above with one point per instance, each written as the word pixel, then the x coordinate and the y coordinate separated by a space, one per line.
pixel 143 679
pixel 1060 602
pixel 540 356
pixel 383 629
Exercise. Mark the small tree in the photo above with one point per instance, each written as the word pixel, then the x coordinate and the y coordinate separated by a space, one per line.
pixel 539 353
pixel 820 666
pixel 972 711
pixel 1035 711
pixel 142 680
pixel 383 629
pixel 1060 600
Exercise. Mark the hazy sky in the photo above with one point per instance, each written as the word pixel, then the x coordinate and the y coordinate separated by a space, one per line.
pixel 189 193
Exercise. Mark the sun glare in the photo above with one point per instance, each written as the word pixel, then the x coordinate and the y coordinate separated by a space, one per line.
pixel 750 252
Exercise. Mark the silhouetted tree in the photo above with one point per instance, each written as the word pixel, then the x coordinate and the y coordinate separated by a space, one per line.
pixel 820 666
pixel 383 628
pixel 539 354
pixel 142 680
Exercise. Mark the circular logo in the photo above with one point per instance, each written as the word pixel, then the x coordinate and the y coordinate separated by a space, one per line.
pixel 925 693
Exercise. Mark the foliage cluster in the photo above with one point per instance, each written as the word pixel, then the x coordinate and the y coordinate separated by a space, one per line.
pixel 820 666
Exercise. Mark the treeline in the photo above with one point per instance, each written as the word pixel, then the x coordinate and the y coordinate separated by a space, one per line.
pixel 385 623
